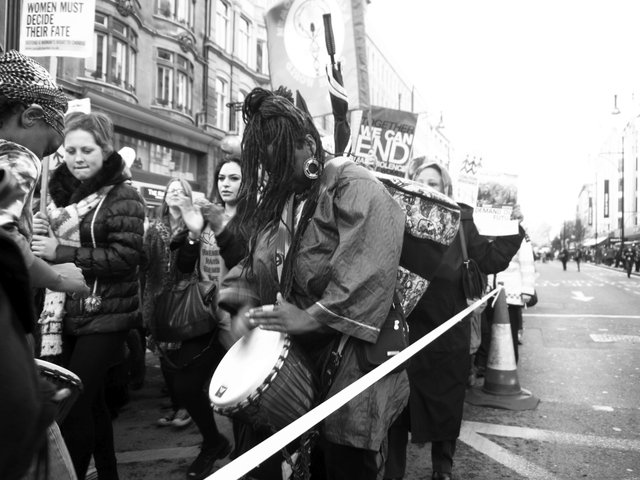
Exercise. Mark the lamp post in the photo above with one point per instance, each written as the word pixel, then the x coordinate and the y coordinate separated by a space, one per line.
pixel 616 111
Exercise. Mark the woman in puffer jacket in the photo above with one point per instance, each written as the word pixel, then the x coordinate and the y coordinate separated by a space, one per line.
pixel 97 222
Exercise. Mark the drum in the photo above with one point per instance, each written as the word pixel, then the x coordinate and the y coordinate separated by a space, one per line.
pixel 432 222
pixel 431 215
pixel 61 378
pixel 263 379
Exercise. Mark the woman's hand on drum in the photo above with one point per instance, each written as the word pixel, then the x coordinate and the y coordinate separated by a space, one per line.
pixel 282 317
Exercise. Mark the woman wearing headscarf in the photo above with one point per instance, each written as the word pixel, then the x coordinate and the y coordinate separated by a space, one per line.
pixel 338 235
pixel 438 374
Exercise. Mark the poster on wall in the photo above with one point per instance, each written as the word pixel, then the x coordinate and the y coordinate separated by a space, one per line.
pixel 386 139
pixel 57 28
pixel 497 195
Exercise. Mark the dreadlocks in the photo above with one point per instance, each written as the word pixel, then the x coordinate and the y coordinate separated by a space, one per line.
pixel 274 129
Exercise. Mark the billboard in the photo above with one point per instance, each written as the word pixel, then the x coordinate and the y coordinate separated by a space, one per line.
pixel 57 28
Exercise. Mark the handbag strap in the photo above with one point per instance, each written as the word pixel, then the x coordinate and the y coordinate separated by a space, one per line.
pixel 463 244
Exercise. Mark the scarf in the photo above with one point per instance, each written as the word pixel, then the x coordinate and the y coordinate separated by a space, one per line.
pixel 65 224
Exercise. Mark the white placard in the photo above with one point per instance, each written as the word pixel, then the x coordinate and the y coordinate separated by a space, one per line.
pixel 57 28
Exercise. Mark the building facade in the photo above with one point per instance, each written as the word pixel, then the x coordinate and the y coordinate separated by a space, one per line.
pixel 170 74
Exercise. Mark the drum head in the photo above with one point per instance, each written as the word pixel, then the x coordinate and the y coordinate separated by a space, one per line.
pixel 245 367
pixel 54 370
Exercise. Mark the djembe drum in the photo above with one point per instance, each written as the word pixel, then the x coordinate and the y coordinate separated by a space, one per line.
pixel 263 379
pixel 61 378
pixel 432 222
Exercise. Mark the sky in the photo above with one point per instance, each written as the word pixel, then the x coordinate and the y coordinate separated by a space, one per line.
pixel 526 85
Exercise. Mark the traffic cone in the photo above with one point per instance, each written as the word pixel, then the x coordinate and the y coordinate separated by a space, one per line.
pixel 501 387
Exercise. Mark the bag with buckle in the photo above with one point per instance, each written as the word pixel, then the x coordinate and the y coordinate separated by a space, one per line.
pixel 393 338
pixel 184 311
pixel 474 282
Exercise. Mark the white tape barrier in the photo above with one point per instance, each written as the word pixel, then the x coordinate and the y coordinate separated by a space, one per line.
pixel 258 454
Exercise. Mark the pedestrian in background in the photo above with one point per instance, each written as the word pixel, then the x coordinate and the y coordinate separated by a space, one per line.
pixel 577 256
pixel 438 375
pixel 564 258
pixel 96 221
pixel 519 283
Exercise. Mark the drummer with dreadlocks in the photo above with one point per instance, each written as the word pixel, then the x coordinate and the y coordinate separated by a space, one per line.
pixel 324 250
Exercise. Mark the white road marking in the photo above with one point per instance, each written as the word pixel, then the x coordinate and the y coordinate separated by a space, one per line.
pixel 608 338
pixel 578 295
pixel 553 436
pixel 502 455
pixel 602 408
pixel 578 315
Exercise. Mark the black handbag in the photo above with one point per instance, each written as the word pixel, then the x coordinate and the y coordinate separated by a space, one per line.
pixel 532 300
pixel 393 338
pixel 184 311
pixel 474 282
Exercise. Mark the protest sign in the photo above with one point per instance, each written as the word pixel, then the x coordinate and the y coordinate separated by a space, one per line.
pixel 388 137
pixel 497 195
pixel 57 28
pixel 297 56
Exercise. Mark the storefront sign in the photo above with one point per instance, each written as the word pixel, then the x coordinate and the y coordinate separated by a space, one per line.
pixel 57 28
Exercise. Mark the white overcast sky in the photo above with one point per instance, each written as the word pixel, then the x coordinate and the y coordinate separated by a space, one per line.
pixel 526 85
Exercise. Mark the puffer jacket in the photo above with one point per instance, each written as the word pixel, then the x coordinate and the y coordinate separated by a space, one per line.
pixel 113 264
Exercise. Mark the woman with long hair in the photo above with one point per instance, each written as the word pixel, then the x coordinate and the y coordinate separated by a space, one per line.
pixel 344 236
pixel 97 222
pixel 173 243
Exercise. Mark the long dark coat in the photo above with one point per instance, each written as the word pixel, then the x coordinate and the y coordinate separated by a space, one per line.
pixel 438 374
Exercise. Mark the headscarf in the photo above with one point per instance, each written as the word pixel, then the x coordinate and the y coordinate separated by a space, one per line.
pixel 419 164
pixel 24 80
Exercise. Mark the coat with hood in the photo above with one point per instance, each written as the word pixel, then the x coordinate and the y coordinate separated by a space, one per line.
pixel 112 266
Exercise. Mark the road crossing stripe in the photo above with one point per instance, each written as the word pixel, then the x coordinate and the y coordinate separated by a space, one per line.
pixel 578 315
pixel 553 436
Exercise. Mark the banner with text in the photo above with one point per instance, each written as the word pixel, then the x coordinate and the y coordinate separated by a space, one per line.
pixel 298 55
pixel 57 28
pixel 388 137
pixel 497 195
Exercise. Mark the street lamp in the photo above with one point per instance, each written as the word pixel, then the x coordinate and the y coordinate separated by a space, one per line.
pixel 616 111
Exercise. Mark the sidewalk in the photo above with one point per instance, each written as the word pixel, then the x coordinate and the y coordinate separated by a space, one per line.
pixel 619 269
pixel 146 451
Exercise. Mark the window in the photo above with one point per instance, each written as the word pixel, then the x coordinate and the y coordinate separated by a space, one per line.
pixel 180 11
pixel 244 37
pixel 222 24
pixel 174 81
pixel 222 98
pixel 115 53
pixel 261 57
pixel 160 159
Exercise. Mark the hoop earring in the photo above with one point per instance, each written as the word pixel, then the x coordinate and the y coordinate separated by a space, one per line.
pixel 312 168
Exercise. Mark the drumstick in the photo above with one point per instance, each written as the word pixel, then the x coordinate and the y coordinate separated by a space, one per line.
pixel 44 183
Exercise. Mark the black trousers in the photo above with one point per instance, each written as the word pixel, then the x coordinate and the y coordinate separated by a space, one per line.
pixel 87 429
pixel 187 372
